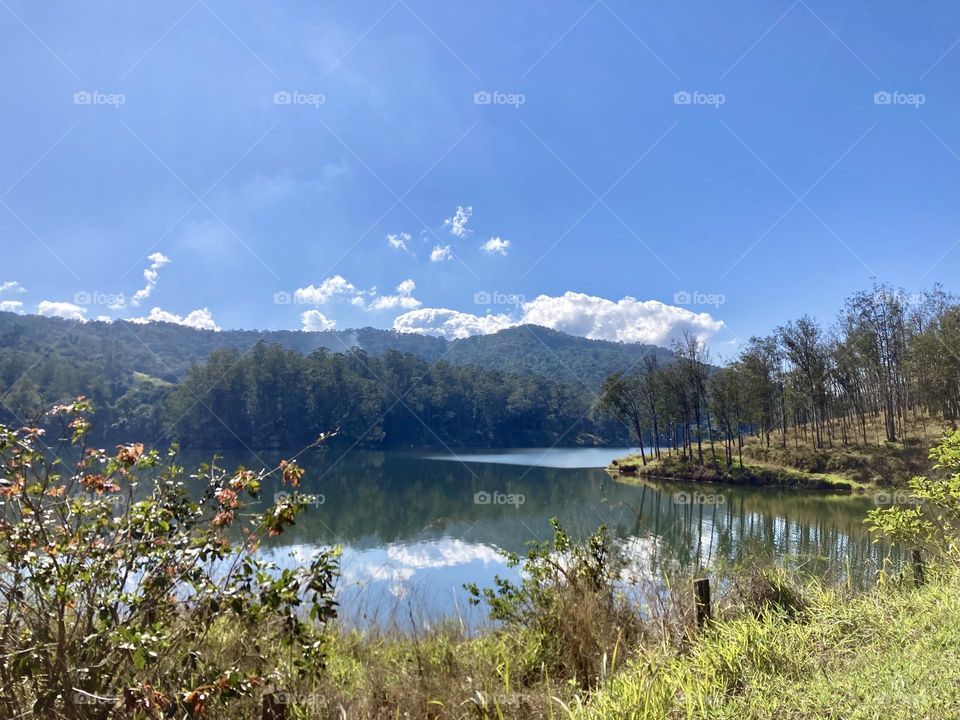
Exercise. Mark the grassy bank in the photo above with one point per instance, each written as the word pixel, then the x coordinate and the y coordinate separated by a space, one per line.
pixel 888 653
pixel 841 467
pixel 772 652
pixel 757 475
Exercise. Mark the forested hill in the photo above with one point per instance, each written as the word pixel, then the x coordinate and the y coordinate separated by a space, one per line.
pixel 166 351
pixel 526 385
pixel 566 358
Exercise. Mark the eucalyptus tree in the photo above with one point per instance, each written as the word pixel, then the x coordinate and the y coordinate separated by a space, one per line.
pixel 620 396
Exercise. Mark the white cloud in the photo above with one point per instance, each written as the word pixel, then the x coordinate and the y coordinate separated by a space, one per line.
pixel 450 324
pixel 68 311
pixel 14 306
pixel 315 321
pixel 439 254
pixel 12 286
pixel 458 223
pixel 625 320
pixel 399 241
pixel 200 319
pixel 157 261
pixel 495 245
pixel 403 299
pixel 330 287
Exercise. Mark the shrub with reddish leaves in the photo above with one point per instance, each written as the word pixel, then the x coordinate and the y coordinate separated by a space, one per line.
pixel 123 581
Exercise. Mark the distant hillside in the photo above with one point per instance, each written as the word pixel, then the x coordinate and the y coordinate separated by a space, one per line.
pixel 562 357
pixel 526 385
pixel 167 351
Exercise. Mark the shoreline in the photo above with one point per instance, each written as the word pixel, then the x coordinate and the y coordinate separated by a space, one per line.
pixel 750 475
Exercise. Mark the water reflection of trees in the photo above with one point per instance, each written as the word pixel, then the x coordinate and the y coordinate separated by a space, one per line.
pixel 823 534
pixel 373 499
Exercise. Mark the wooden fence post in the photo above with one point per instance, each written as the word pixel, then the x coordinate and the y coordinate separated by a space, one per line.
pixel 918 569
pixel 701 589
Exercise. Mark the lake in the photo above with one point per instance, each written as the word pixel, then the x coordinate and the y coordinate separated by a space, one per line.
pixel 416 526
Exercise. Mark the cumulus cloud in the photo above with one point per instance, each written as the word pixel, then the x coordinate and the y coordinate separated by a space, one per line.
pixel 200 319
pixel 626 320
pixel 157 261
pixel 441 253
pixel 495 245
pixel 68 311
pixel 589 316
pixel 12 286
pixel 399 241
pixel 458 223
pixel 450 324
pixel 330 287
pixel 403 299
pixel 14 306
pixel 316 321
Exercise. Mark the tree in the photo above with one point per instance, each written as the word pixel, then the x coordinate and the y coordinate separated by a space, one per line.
pixel 620 396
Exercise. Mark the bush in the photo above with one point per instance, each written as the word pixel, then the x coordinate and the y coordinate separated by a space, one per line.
pixel 123 595
pixel 567 607
pixel 932 519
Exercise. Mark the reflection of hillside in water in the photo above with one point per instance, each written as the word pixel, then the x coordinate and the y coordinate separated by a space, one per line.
pixel 375 500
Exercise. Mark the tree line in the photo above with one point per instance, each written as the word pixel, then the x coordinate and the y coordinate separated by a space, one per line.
pixel 888 357
pixel 271 397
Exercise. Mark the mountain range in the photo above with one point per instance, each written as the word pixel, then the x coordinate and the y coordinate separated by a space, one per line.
pixel 166 351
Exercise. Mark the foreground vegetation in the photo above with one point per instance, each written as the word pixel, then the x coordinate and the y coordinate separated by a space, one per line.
pixel 126 595
pixel 887 653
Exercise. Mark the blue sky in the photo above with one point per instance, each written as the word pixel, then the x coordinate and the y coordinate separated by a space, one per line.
pixel 726 167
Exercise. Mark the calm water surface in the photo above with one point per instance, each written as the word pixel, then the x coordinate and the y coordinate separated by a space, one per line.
pixel 415 527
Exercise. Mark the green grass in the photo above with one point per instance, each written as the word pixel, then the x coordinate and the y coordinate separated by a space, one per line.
pixel 888 653
pixel 759 474
pixel 810 652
